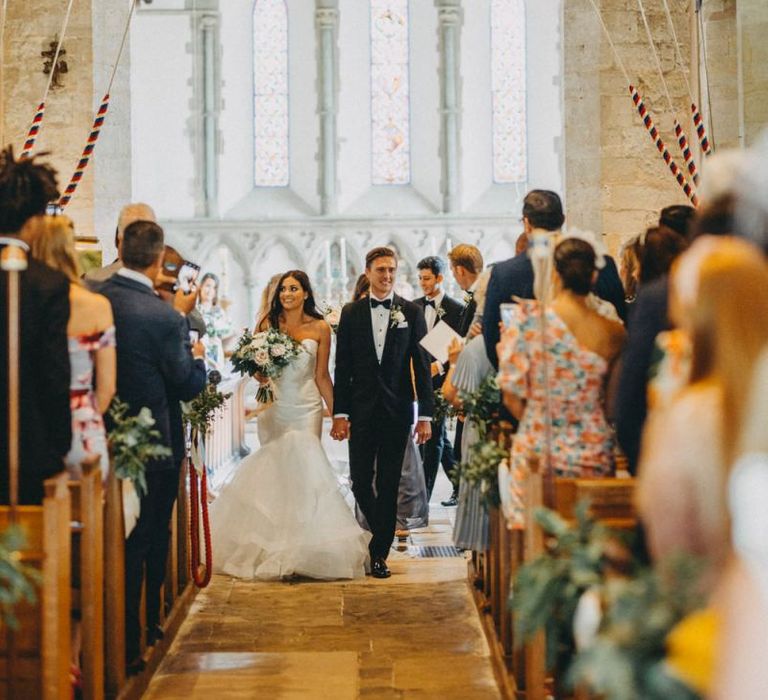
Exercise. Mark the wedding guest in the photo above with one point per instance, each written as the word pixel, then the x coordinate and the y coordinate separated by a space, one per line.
pixel 469 367
pixel 91 334
pixel 719 294
pixel 361 287
pixel 155 368
pixel 678 218
pixel 658 250
pixel 629 268
pixel 542 217
pixel 218 327
pixel 26 188
pixel 579 348
pixel 438 306
pixel 128 214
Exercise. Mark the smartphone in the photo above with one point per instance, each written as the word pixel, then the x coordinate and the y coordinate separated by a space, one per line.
pixel 187 276
pixel 506 314
pixel 194 336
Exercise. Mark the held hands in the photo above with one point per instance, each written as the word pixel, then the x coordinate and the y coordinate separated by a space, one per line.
pixel 423 431
pixel 340 429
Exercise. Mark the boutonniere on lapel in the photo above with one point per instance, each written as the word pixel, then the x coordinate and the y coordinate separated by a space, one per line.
pixel 396 316
pixel 439 312
pixel 468 297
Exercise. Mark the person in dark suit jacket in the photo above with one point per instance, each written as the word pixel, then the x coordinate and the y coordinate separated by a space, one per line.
pixel 154 369
pixel 437 306
pixel 26 187
pixel 542 212
pixel 377 345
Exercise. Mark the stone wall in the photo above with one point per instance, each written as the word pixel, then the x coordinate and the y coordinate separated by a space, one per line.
pixel 91 47
pixel 615 178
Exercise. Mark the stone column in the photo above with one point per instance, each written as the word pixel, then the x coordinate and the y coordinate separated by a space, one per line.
pixel 449 20
pixel 326 20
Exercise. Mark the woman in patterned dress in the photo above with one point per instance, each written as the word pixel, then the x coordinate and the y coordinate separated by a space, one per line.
pixel 579 348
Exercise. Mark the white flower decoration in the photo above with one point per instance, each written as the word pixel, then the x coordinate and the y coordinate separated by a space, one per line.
pixel 396 316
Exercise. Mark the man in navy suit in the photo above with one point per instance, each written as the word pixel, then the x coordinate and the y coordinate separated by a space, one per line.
pixel 542 212
pixel 155 367
pixel 437 306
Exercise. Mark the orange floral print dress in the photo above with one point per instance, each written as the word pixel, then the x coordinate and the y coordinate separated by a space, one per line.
pixel 582 440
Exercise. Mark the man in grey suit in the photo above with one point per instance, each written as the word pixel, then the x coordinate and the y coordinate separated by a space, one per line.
pixel 155 368
pixel 128 214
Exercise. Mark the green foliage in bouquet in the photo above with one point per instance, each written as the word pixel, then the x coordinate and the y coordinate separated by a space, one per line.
pixel 133 441
pixel 482 406
pixel 627 659
pixel 201 411
pixel 482 468
pixel 547 590
pixel 443 409
pixel 17 581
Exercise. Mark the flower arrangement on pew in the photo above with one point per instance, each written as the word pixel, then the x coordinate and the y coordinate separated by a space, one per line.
pixel 18 582
pixel 484 457
pixel 266 353
pixel 200 412
pixel 607 617
pixel 133 441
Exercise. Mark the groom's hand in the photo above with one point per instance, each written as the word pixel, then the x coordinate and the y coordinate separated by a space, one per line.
pixel 340 429
pixel 423 431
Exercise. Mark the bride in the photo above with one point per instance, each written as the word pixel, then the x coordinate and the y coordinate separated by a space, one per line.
pixel 283 514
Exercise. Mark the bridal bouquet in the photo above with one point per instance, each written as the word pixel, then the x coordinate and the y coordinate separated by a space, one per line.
pixel 266 353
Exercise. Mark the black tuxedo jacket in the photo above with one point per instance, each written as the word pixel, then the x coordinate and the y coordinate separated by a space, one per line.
pixel 155 367
pixel 45 420
pixel 452 315
pixel 465 322
pixel 362 386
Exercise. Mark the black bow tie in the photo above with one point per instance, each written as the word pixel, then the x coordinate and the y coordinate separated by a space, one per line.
pixel 387 303
pixel 430 302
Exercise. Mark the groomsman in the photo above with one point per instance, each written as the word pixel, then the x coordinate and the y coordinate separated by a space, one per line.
pixel 466 265
pixel 437 306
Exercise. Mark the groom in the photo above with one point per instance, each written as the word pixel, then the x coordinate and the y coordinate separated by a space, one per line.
pixel 379 363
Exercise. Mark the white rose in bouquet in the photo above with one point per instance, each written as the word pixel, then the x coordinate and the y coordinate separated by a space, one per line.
pixel 261 356
pixel 278 350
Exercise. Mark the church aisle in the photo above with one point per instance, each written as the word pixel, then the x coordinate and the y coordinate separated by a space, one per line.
pixel 415 635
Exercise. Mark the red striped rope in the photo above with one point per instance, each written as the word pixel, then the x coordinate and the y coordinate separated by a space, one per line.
pixel 85 157
pixel 34 130
pixel 701 131
pixel 661 146
pixel 682 141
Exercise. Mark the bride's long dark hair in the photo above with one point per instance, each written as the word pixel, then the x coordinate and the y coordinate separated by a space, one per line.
pixel 310 307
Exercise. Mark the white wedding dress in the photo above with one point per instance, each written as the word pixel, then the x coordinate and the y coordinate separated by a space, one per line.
pixel 283 514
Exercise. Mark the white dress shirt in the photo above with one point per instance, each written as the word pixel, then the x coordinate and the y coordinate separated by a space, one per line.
pixel 430 313
pixel 380 323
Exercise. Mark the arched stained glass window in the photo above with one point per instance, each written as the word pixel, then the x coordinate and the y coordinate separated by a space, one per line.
pixel 270 93
pixel 390 99
pixel 508 86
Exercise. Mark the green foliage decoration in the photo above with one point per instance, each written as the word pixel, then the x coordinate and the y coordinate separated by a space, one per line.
pixel 133 441
pixel 18 582
pixel 200 413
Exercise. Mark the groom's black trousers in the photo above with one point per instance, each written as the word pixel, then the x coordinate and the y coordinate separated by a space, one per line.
pixel 382 442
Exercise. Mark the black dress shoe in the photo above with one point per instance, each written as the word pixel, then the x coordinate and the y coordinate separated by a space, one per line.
pixel 379 568
pixel 452 501
pixel 154 634
pixel 135 667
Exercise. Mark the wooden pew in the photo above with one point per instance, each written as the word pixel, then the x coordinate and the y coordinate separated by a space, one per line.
pixel 114 587
pixel 611 503
pixel 88 521
pixel 35 660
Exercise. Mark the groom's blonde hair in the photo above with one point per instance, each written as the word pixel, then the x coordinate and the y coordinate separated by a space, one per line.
pixel 383 251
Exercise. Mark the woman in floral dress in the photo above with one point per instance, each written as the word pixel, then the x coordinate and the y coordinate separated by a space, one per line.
pixel 218 327
pixel 580 346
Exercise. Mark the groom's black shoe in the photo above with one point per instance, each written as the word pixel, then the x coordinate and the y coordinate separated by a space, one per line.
pixel 379 568
pixel 452 501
